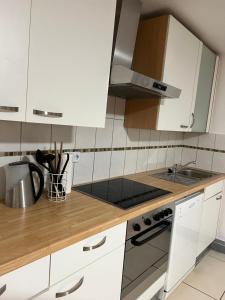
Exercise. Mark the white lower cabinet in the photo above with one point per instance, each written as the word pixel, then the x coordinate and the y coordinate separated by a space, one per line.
pixel 100 280
pixel 25 282
pixel 209 221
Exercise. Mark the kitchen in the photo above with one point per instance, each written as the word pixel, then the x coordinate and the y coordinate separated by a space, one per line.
pixel 112 155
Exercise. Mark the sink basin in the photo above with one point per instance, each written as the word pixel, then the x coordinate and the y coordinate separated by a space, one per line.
pixel 185 176
pixel 195 173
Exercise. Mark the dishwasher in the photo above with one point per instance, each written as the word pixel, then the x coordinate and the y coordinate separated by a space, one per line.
pixel 184 242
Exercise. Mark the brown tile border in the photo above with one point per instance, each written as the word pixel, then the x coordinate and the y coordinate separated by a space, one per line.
pixel 83 150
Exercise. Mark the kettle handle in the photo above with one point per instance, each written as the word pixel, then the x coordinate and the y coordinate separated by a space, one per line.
pixel 34 168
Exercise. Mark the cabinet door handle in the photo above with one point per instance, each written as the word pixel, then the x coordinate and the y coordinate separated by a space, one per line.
pixel 9 109
pixel 219 197
pixel 193 120
pixel 70 291
pixel 101 243
pixel 183 126
pixel 47 114
pixel 3 289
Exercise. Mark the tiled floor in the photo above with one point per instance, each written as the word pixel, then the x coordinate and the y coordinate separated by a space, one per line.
pixel 206 282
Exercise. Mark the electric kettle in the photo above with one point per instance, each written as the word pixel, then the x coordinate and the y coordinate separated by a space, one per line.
pixel 21 184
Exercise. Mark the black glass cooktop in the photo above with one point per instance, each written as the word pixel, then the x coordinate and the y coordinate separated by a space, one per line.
pixel 121 192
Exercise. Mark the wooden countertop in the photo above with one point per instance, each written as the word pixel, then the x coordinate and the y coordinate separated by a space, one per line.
pixel 29 234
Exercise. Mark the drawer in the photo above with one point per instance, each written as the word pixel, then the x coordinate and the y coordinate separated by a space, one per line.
pixel 100 280
pixel 69 260
pixel 213 189
pixel 25 282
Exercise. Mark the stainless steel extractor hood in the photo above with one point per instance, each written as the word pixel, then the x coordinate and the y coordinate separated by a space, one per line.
pixel 125 82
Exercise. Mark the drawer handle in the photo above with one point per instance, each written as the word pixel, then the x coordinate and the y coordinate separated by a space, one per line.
pixel 47 114
pixel 70 291
pixel 3 289
pixel 219 198
pixel 9 109
pixel 101 243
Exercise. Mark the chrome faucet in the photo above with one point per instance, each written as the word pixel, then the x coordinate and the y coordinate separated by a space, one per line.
pixel 177 167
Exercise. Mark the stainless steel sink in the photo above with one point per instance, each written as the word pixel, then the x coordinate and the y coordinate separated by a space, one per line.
pixel 185 176
pixel 190 173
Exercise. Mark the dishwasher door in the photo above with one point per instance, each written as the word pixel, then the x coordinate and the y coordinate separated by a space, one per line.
pixel 184 242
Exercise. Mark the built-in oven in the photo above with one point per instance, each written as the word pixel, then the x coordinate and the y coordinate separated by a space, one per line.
pixel 146 253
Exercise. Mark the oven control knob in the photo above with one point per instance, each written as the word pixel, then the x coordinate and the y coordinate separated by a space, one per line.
pixel 147 221
pixel 136 227
pixel 169 211
pixel 162 214
pixel 166 213
pixel 156 217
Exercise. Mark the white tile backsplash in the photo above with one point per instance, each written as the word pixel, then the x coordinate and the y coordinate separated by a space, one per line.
pixel 220 142
pixel 35 136
pixel 161 158
pixel 104 135
pixel 170 157
pixel 191 139
pixel 85 137
pixel 144 138
pixel 188 155
pixel 10 136
pixel 154 138
pixel 142 160
pixel 218 164
pixel 83 170
pixel 101 165
pixel 66 134
pixel 204 159
pixel 17 136
pixel 206 140
pixel 119 134
pixel 133 137
pixel 130 161
pixel 152 159
pixel 117 163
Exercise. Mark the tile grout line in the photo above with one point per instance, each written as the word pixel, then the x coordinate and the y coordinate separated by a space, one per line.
pixel 199 290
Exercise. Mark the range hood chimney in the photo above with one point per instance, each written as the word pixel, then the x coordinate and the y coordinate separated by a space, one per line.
pixel 125 82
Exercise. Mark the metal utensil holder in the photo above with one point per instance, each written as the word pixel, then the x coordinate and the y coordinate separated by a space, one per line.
pixel 57 186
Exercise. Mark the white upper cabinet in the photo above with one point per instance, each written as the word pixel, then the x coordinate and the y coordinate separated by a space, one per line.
pixel 205 90
pixel 69 61
pixel 14 42
pixel 181 69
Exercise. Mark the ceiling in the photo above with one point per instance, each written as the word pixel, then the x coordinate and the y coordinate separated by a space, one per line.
pixel 206 18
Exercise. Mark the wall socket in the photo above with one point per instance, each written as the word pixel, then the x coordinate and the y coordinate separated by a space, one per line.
pixel 76 157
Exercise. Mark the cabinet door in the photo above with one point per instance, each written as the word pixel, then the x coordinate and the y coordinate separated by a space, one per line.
pixel 69 61
pixel 184 243
pixel 99 281
pixel 204 90
pixel 181 69
pixel 25 282
pixel 209 221
pixel 14 41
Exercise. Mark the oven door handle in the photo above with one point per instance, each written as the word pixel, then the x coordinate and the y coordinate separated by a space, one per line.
pixel 135 242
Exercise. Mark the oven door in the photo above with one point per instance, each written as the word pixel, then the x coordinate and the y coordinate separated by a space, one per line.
pixel 146 259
